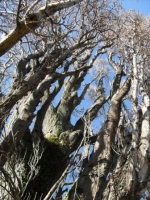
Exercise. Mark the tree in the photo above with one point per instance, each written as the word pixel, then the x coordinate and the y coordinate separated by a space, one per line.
pixel 60 54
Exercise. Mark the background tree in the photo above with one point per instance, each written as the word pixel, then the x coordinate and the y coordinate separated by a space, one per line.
pixel 54 56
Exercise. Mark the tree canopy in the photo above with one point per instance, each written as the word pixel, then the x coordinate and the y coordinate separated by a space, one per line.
pixel 74 100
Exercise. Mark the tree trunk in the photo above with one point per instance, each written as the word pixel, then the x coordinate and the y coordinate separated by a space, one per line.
pixel 93 181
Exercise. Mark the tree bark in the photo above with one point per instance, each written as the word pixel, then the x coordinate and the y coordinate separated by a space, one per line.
pixel 31 22
pixel 100 164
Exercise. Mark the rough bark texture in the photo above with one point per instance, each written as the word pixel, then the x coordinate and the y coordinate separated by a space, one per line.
pixel 74 101
pixel 31 22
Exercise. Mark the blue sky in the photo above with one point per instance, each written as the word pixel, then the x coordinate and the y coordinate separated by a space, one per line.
pixel 139 5
pixel 142 6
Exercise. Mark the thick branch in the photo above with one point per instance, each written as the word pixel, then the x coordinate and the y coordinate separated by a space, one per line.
pixel 100 162
pixel 32 21
pixel 21 119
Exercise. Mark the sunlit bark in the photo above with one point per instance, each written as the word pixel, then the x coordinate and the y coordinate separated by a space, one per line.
pixel 31 22
pixel 74 101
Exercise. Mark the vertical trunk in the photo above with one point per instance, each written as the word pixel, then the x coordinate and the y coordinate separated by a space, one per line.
pixel 135 132
pixel 93 180
pixel 144 145
pixel 144 149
